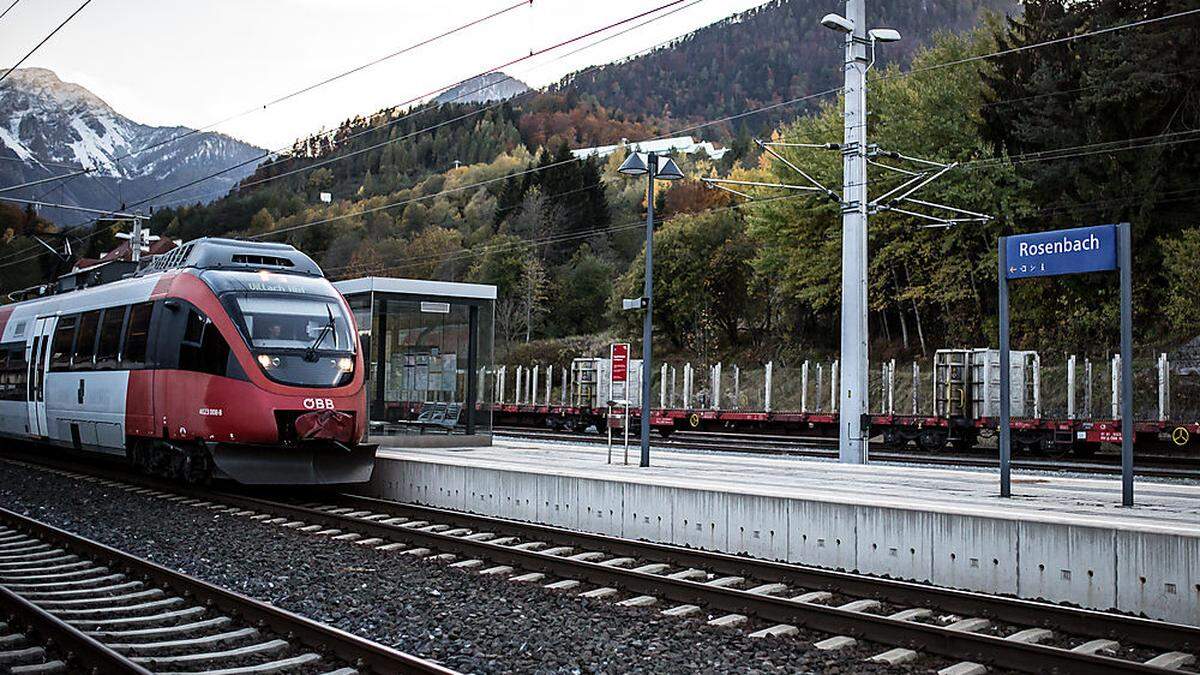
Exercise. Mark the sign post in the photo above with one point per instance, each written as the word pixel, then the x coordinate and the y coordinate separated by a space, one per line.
pixel 1103 248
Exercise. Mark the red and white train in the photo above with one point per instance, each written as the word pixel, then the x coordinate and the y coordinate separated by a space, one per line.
pixel 220 358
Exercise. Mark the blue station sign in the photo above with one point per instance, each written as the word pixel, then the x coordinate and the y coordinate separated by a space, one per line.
pixel 1074 251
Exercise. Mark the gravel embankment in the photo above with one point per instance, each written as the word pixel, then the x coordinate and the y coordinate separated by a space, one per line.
pixel 467 622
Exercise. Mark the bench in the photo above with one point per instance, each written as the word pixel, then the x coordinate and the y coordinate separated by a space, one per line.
pixel 442 416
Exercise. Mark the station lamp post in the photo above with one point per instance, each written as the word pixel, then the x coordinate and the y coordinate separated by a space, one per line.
pixel 635 166
pixel 852 392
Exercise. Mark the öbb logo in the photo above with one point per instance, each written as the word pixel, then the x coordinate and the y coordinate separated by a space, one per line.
pixel 318 404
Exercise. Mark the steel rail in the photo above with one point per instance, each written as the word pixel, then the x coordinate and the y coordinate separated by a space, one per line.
pixel 932 639
pixel 78 649
pixel 362 653
pixel 1026 657
pixel 1076 621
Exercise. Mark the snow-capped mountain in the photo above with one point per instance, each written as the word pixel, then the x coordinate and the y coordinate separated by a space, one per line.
pixel 484 88
pixel 47 125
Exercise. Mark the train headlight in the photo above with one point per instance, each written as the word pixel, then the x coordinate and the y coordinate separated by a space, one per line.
pixel 345 364
pixel 268 362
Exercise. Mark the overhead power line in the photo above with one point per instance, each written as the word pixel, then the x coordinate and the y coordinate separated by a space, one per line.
pixel 6 11
pixel 44 40
pixel 532 54
pixel 328 80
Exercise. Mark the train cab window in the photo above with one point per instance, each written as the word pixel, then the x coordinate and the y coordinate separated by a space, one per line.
pixel 85 341
pixel 109 345
pixel 203 349
pixel 64 342
pixel 137 336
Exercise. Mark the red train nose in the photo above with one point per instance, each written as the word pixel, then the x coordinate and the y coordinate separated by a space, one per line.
pixel 326 425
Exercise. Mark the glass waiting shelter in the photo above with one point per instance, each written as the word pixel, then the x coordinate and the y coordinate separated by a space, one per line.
pixel 428 347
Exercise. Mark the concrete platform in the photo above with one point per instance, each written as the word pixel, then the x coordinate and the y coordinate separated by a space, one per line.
pixel 1057 538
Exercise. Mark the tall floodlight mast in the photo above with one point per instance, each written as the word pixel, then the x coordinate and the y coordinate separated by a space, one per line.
pixel 857 154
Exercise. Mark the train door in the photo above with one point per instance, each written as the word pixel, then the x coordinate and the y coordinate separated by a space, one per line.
pixel 39 350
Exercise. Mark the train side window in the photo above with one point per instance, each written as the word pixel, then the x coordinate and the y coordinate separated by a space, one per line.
pixel 137 336
pixel 203 349
pixel 64 342
pixel 85 341
pixel 18 372
pixel 109 345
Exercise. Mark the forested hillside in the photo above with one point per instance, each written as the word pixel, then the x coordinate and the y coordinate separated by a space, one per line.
pixel 774 53
pixel 1054 132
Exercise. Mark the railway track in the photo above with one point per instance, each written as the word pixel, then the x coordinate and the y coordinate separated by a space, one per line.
pixel 1155 466
pixel 954 632
pixel 78 606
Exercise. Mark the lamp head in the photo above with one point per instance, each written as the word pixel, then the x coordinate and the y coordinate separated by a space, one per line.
pixel 884 35
pixel 634 165
pixel 838 23
pixel 668 170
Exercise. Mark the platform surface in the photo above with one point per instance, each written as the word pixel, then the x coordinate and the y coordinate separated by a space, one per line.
pixel 1170 508
pixel 1059 537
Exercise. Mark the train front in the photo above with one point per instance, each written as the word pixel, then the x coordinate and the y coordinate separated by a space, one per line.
pixel 303 419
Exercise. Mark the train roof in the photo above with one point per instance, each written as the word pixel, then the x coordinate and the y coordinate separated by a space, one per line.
pixel 215 253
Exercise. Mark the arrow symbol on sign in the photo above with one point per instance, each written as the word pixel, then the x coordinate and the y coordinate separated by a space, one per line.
pixel 1012 270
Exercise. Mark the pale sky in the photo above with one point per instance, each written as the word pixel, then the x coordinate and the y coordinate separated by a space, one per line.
pixel 167 62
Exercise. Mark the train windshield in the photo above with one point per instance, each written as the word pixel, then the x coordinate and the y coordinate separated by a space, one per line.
pixel 296 322
pixel 300 340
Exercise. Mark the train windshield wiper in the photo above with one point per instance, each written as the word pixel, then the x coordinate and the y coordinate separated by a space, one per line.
pixel 311 353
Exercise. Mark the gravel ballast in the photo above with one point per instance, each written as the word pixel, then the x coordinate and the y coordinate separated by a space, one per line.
pixel 465 621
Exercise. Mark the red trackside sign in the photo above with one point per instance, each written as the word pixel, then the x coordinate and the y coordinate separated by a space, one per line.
pixel 619 357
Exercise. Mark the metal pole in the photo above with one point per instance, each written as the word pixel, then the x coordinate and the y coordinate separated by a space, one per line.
pixel 648 318
pixel 1087 389
pixel 834 385
pixel 1162 387
pixel 820 385
pixel 562 395
pixel 737 387
pixel 626 433
pixel 891 382
pixel 1005 378
pixel 852 445
pixel 673 373
pixel 1037 386
pixel 662 387
pixel 549 384
pixel 716 386
pixel 767 387
pixel 1115 377
pixel 804 387
pixel 916 385
pixel 1127 422
pixel 608 426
